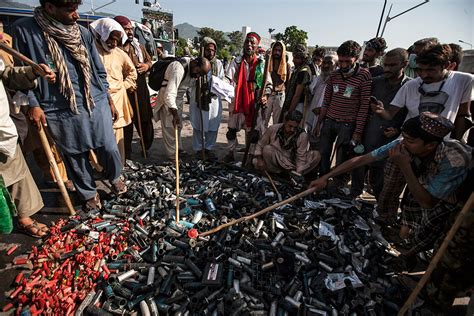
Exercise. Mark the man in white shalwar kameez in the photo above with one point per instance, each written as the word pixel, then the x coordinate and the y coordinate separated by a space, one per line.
pixel 212 111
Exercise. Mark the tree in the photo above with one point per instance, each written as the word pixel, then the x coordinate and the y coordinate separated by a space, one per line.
pixel 180 45
pixel 292 37
pixel 236 39
pixel 216 35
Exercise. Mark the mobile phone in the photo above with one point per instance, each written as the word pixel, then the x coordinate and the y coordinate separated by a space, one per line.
pixel 373 99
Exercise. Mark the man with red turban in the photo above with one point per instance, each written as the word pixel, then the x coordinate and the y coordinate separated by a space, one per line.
pixel 242 73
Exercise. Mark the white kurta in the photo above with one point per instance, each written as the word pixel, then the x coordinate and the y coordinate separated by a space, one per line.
pixel 211 118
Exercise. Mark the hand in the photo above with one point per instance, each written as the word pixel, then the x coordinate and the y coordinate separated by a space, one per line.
pixel 356 137
pixel 316 111
pixel 176 120
pixel 260 164
pixel 400 155
pixel 142 68
pixel 263 100
pixel 36 114
pixel 47 74
pixel 377 107
pixel 113 110
pixel 319 184
pixel 390 132
pixel 317 129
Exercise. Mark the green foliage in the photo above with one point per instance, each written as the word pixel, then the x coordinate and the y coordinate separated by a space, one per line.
pixel 216 35
pixel 180 45
pixel 292 37
pixel 236 42
pixel 224 53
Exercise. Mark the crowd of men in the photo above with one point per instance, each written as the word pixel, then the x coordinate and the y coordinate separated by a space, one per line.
pixel 392 120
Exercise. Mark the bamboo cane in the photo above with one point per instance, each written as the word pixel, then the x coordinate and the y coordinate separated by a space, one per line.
pixel 177 171
pixel 23 58
pixel 54 166
pixel 437 257
pixel 261 212
pixel 274 186
pixel 139 119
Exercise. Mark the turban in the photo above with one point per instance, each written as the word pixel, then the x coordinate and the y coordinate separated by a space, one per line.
pixel 123 20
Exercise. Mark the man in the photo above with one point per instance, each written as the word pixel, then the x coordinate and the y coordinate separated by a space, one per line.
pixel 178 77
pixel 345 106
pixel 78 108
pixel 317 60
pixel 285 148
pixel 436 89
pixel 212 113
pixel 433 168
pixel 13 168
pixel 456 56
pixel 414 50
pixel 374 49
pixel 317 88
pixel 142 61
pixel 121 74
pixel 378 131
pixel 296 96
pixel 242 73
pixel 278 73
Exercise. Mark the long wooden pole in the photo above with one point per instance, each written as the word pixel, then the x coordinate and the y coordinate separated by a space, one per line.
pixel 273 185
pixel 261 212
pixel 41 132
pixel 139 119
pixel 177 171
pixel 54 166
pixel 459 219
pixel 200 106
pixel 23 58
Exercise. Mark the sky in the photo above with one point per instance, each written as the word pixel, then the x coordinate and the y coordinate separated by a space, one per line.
pixel 328 22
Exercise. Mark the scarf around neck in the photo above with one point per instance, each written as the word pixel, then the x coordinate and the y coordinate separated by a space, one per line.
pixel 69 36
pixel 244 93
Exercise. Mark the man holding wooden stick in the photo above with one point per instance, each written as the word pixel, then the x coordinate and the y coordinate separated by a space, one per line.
pixel 140 99
pixel 77 107
pixel 13 168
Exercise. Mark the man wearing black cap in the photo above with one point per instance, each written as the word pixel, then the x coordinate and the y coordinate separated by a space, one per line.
pixel 434 170
pixel 78 107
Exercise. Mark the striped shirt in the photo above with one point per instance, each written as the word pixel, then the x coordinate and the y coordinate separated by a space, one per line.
pixel 347 99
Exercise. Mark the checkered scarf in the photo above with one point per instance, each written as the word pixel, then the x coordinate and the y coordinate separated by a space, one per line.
pixel 70 37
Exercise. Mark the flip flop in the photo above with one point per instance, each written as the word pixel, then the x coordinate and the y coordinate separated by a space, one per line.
pixel 28 229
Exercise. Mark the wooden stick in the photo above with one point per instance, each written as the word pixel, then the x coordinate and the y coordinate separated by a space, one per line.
pixel 265 210
pixel 54 166
pixel 22 58
pixel 199 102
pixel 437 257
pixel 273 185
pixel 139 119
pixel 177 171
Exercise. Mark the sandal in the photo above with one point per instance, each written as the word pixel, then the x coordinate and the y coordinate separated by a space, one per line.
pixel 35 229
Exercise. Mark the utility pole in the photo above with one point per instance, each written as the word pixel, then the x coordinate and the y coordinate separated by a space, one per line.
pixel 388 18
pixel 461 41
pixel 99 7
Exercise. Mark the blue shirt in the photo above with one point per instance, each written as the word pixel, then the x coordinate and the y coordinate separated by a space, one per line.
pixel 443 172
pixel 73 133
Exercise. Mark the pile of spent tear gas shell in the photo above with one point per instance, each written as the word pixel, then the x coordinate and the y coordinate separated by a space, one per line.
pixel 317 256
